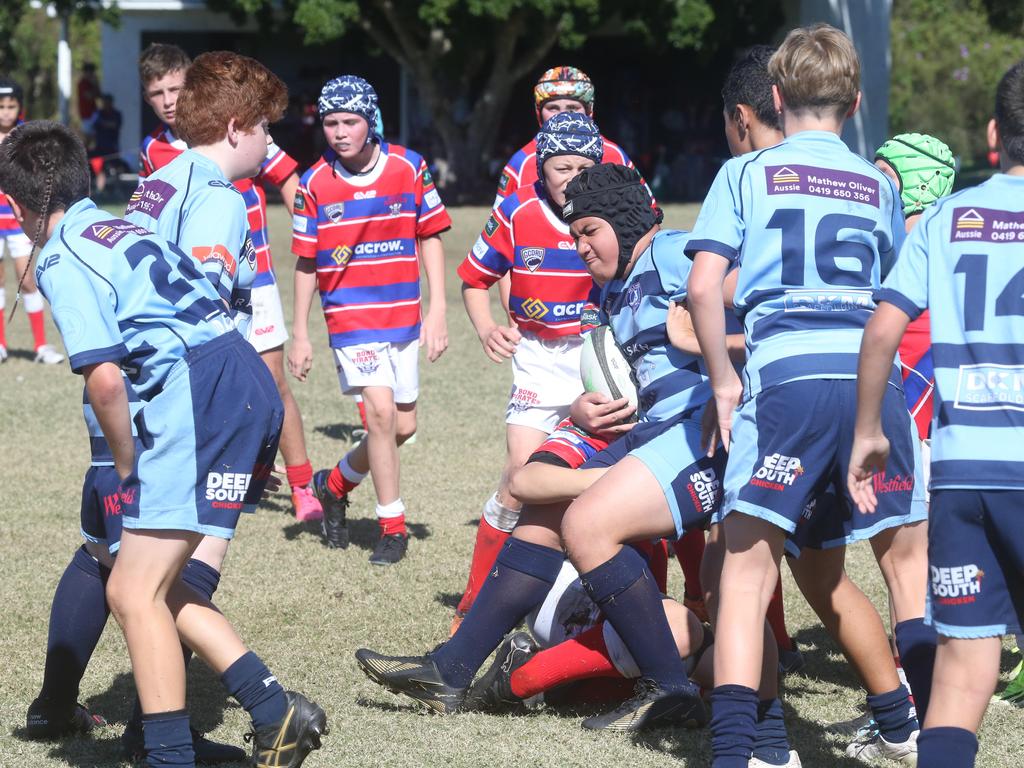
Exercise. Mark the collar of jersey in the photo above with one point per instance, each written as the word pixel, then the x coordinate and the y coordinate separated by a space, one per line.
pixel 358 180
pixel 825 136
pixel 205 162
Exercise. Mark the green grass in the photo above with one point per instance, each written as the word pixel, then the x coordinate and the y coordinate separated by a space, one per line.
pixel 306 609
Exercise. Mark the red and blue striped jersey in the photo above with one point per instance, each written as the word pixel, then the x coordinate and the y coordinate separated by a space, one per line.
pixel 161 147
pixel 8 224
pixel 919 372
pixel 521 169
pixel 570 444
pixel 549 283
pixel 363 230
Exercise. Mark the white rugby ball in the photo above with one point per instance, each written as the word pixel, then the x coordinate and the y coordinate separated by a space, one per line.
pixel 603 367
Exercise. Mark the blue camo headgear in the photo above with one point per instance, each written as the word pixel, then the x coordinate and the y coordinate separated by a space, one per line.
pixel 349 93
pixel 568 133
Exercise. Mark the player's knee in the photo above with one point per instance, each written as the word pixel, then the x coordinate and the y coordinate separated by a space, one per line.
pixel 381 418
pixel 406 426
pixel 686 628
pixel 119 597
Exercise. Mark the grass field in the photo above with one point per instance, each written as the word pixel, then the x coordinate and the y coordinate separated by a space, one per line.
pixel 306 609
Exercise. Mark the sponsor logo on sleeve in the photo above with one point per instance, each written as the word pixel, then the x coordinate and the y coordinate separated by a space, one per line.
pixel 218 254
pixel 109 233
pixel 249 252
pixel 479 248
pixel 335 212
pixel 491 226
pixel 503 181
pixel 532 258
pixel 987 225
pixel 432 199
pixel 299 223
pixel 150 197
pixel 427 178
pixel 222 184
pixel 822 182
pixel 634 294
pixel 300 202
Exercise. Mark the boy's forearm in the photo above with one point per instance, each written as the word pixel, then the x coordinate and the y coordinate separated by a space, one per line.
pixel 432 255
pixel 305 288
pixel 878 349
pixel 540 483
pixel 288 190
pixel 109 400
pixel 478 308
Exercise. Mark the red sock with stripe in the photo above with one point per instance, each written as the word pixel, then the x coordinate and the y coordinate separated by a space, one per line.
pixel 584 656
pixel 300 475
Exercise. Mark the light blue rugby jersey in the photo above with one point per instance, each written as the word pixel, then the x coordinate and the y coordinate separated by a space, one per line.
pixel 121 294
pixel 965 261
pixel 190 203
pixel 102 456
pixel 813 227
pixel 670 382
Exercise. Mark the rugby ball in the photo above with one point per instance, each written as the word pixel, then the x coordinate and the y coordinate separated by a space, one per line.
pixel 603 367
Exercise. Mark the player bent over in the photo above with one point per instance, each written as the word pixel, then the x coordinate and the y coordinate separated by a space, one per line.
pixel 366 213
pixel 123 296
pixel 526 239
pixel 959 263
pixel 643 495
pixel 803 219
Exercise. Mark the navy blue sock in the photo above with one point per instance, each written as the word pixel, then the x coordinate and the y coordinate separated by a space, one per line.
pixel 916 643
pixel 771 743
pixel 946 748
pixel 624 590
pixel 77 617
pixel 167 739
pixel 256 689
pixel 892 712
pixel 203 578
pixel 523 573
pixel 733 725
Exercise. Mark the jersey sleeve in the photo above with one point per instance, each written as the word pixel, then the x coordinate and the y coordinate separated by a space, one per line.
pixel 215 232
pixel 906 286
pixel 492 254
pixel 82 304
pixel 278 166
pixel 304 221
pixel 897 232
pixel 508 183
pixel 720 228
pixel 432 217
pixel 673 266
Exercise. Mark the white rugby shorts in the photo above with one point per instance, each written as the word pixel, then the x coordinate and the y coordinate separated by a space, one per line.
pixel 267 329
pixel 17 246
pixel 545 381
pixel 380 364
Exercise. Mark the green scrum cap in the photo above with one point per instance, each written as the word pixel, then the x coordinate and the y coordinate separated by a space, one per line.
pixel 925 168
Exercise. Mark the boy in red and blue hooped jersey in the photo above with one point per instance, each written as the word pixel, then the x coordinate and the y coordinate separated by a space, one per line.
pixel 526 240
pixel 17 245
pixel 162 70
pixel 366 214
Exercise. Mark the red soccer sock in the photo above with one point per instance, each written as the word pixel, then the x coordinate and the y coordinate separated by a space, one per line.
pixel 690 553
pixel 392 525
pixel 777 619
pixel 300 475
pixel 489 541
pixel 338 484
pixel 3 324
pixel 35 319
pixel 362 412
pixel 586 655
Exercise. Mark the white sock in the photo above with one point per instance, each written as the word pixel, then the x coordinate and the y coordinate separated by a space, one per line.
pixel 33 301
pixel 350 474
pixel 499 516
pixel 395 509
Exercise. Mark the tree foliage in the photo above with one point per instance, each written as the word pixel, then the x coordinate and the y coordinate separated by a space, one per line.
pixel 947 57
pixel 475 52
